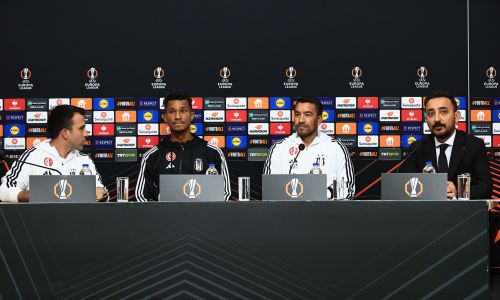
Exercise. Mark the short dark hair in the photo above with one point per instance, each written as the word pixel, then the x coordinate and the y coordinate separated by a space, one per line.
pixel 314 101
pixel 61 117
pixel 441 94
pixel 178 95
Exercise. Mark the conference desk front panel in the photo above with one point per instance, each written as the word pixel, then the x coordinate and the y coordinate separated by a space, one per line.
pixel 251 250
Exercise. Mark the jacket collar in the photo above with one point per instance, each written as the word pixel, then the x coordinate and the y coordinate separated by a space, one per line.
pixel 189 144
pixel 320 137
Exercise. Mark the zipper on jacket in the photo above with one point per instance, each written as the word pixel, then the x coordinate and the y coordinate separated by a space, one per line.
pixel 182 155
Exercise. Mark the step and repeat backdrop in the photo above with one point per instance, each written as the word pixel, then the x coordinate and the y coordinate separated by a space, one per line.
pixel 244 63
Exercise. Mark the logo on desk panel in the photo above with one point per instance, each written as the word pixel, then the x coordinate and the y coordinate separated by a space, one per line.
pixel 414 187
pixel 191 189
pixel 63 189
pixel 294 188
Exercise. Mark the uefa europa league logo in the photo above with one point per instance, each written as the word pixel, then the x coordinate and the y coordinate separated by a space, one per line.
pixel 294 188
pixel 158 73
pixel 25 73
pixel 191 189
pixel 422 73
pixel 290 72
pixel 414 187
pixel 63 190
pixel 491 72
pixel 357 72
pixel 225 72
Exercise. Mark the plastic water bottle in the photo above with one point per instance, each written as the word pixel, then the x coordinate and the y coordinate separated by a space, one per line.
pixel 428 168
pixel 212 170
pixel 315 169
pixel 85 170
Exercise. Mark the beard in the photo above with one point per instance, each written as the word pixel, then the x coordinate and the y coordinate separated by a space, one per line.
pixel 446 133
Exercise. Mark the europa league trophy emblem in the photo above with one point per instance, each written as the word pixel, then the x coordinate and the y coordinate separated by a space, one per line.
pixel 26 72
pixel 413 185
pixel 491 72
pixel 62 187
pixel 356 72
pixel 192 184
pixel 92 73
pixel 422 73
pixel 294 183
pixel 158 73
pixel 225 72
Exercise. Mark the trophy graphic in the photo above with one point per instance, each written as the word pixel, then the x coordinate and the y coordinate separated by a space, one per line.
pixel 294 188
pixel 26 73
pixel 356 72
pixel 413 185
pixel 294 182
pixel 158 73
pixel 92 73
pixel 416 187
pixel 290 72
pixel 63 190
pixel 225 72
pixel 422 72
pixel 491 72
pixel 192 184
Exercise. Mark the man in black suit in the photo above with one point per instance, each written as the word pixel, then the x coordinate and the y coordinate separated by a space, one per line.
pixel 451 151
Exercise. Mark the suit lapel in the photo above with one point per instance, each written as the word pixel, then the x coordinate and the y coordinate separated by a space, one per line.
pixel 456 153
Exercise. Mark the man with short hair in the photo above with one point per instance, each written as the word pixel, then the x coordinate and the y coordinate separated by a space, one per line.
pixel 179 153
pixel 59 155
pixel 451 151
pixel 331 155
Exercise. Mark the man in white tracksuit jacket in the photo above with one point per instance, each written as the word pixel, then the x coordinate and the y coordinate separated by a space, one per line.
pixel 57 156
pixel 331 155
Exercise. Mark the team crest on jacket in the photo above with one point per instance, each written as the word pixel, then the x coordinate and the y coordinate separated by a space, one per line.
pixel 198 165
pixel 170 156
pixel 293 150
pixel 48 161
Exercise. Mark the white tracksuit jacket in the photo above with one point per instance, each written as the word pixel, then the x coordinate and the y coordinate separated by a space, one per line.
pixel 331 154
pixel 42 159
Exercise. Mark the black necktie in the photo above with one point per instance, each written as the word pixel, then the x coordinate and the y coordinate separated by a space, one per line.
pixel 442 161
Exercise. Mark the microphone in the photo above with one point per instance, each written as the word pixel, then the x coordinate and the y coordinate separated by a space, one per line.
pixel 301 147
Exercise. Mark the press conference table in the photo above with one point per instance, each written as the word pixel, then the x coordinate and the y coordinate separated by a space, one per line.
pixel 245 250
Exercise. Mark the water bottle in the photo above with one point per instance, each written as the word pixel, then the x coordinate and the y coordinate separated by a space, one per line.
pixel 428 168
pixel 85 170
pixel 315 169
pixel 212 170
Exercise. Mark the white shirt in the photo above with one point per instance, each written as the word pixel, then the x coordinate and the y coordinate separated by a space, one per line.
pixel 331 154
pixel 448 150
pixel 42 159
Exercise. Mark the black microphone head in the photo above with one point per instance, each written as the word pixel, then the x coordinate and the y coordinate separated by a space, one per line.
pixel 302 147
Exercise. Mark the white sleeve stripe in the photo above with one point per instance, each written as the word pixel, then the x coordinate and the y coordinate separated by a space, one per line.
pixel 224 171
pixel 139 190
pixel 267 165
pixel 17 167
pixel 140 180
pixel 349 171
